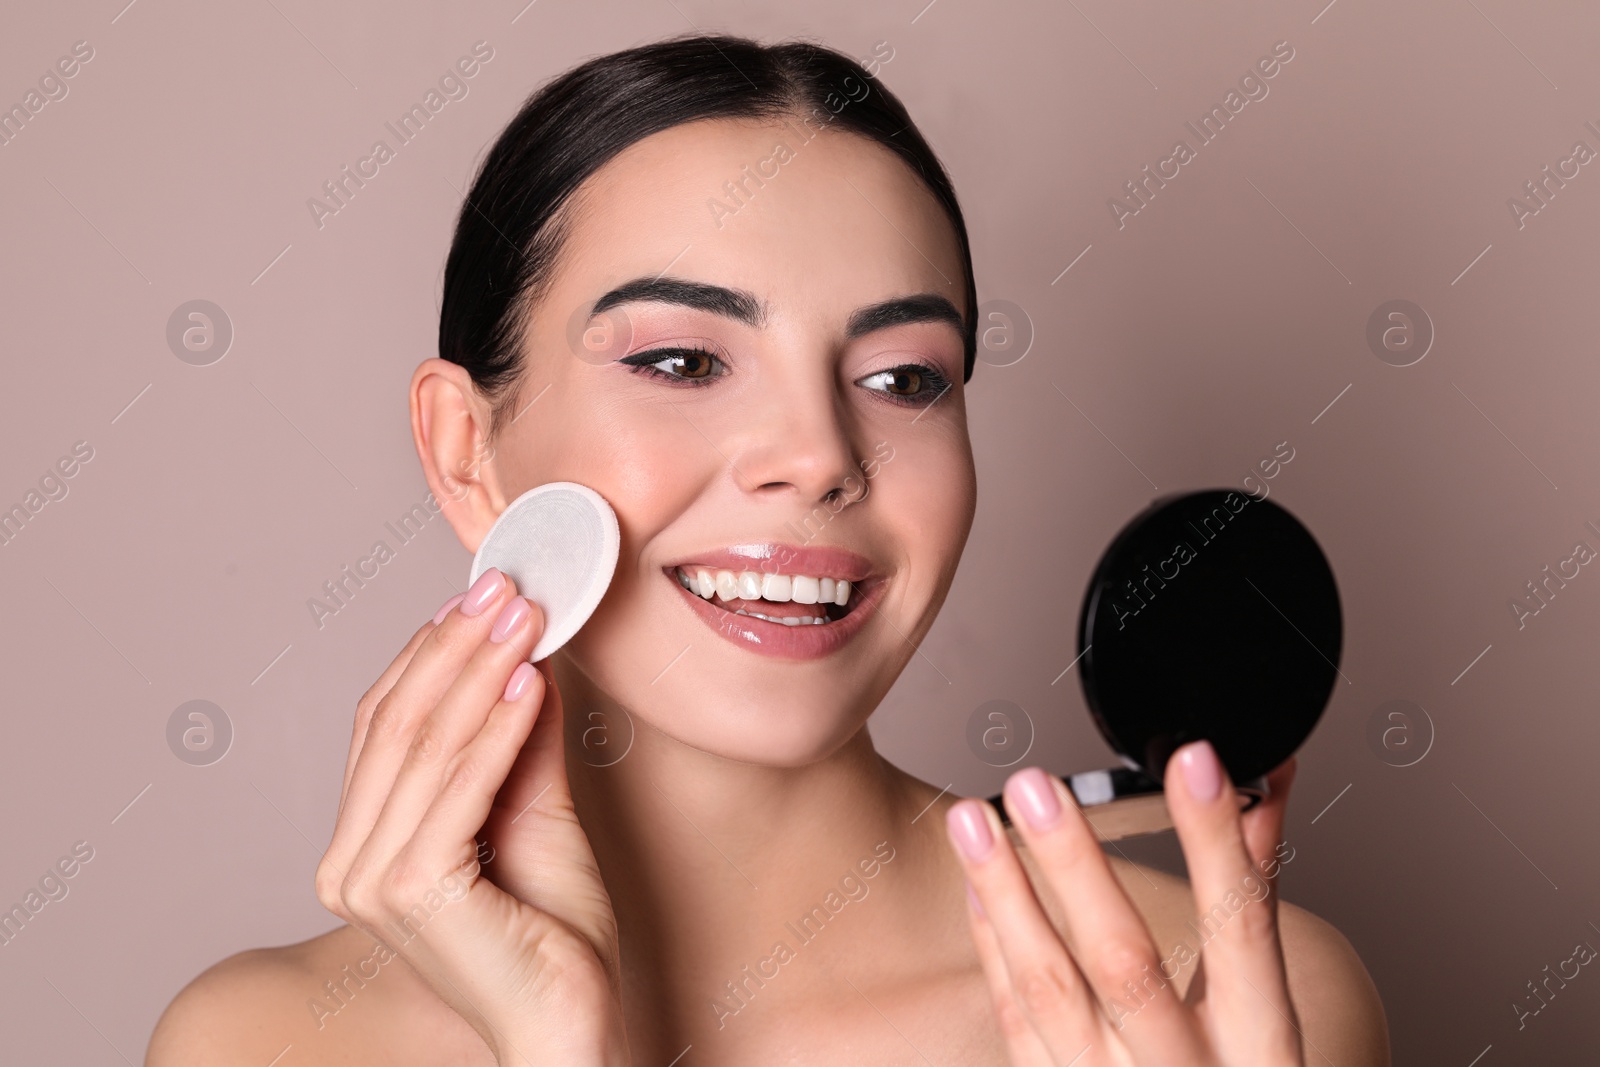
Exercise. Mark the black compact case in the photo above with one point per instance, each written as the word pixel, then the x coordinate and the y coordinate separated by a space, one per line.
pixel 1212 615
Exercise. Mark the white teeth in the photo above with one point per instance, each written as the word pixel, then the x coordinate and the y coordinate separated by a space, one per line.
pixel 777 588
pixel 749 585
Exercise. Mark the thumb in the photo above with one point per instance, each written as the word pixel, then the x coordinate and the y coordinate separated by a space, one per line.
pixel 544 858
pixel 538 776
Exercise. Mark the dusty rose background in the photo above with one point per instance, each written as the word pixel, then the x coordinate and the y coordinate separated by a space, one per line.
pixel 1227 316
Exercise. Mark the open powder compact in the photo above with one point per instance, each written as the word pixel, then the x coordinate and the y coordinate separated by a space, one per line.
pixel 1212 615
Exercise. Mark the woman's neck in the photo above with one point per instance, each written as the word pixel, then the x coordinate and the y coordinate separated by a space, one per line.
pixel 719 871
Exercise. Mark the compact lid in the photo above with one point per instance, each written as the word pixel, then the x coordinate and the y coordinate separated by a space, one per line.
pixel 1212 615
pixel 559 543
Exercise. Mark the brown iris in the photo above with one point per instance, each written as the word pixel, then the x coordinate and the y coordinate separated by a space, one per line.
pixel 905 382
pixel 692 363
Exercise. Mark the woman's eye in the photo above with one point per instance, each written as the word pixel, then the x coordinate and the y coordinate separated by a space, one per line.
pixel 907 384
pixel 688 364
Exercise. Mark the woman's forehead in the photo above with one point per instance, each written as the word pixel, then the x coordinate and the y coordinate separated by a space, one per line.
pixel 758 205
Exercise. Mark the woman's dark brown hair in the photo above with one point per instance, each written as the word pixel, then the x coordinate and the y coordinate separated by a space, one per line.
pixel 510 228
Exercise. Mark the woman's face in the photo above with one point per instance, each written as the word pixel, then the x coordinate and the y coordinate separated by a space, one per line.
pixel 779 417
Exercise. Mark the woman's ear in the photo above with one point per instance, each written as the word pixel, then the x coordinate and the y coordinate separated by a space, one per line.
pixel 449 423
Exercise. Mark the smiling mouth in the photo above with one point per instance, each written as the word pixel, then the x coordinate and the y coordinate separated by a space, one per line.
pixel 785 599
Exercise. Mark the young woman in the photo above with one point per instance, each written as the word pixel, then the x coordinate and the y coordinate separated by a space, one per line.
pixel 728 286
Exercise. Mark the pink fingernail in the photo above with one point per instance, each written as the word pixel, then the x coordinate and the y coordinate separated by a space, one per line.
pixel 511 619
pixel 1032 794
pixel 483 592
pixel 448 604
pixel 970 829
pixel 519 682
pixel 1202 772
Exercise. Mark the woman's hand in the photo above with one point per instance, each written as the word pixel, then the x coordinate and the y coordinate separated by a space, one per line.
pixel 459 732
pixel 1111 998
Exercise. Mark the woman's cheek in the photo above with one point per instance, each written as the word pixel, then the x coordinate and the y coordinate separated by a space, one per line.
pixel 933 467
pixel 918 488
pixel 641 458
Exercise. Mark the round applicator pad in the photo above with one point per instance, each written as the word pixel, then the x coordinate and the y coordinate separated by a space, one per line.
pixel 559 543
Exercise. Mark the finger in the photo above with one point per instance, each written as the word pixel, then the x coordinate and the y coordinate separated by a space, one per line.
pixel 1023 1045
pixel 459 717
pixel 1046 982
pixel 549 862
pixel 539 776
pixel 438 864
pixel 443 838
pixel 394 719
pixel 369 700
pixel 1263 827
pixel 331 869
pixel 1110 941
pixel 1237 920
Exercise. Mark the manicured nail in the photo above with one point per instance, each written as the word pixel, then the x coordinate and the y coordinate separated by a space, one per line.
pixel 1032 794
pixel 483 592
pixel 448 604
pixel 512 617
pixel 519 681
pixel 970 828
pixel 1202 772
pixel 977 905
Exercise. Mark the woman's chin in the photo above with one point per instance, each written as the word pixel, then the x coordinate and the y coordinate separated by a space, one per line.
pixel 712 695
pixel 765 728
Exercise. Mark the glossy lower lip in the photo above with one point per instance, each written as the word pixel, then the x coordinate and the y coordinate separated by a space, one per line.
pixel 803 642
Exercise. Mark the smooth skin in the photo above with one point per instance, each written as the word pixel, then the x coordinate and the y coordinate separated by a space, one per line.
pixel 623 896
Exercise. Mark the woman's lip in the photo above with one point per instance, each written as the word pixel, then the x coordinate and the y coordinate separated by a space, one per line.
pixel 804 641
pixel 773 558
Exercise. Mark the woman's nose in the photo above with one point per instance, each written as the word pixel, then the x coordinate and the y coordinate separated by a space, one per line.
pixel 796 445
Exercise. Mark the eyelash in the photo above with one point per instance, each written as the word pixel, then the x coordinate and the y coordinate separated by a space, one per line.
pixel 935 384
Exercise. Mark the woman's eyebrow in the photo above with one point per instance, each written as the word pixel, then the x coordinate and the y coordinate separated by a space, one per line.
pixel 730 303
pixel 923 307
pixel 745 307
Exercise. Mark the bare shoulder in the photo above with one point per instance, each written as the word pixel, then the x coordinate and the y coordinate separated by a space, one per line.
pixel 234 1010
pixel 339 998
pixel 1333 994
